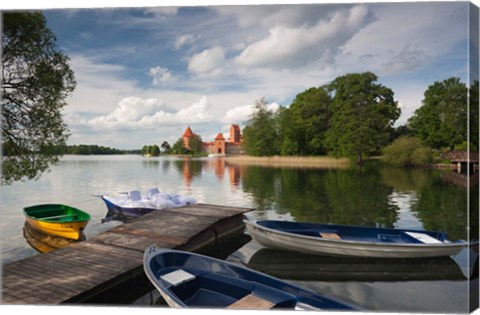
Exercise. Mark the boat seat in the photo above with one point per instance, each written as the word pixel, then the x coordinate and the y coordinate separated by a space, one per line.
pixel 135 195
pixel 56 217
pixel 333 236
pixel 252 302
pixel 152 192
pixel 424 238
pixel 177 277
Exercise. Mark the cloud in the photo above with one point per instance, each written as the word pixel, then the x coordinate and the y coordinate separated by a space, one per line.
pixel 289 47
pixel 137 113
pixel 404 38
pixel 183 39
pixel 208 63
pixel 161 75
pixel 273 15
pixel 162 11
pixel 241 114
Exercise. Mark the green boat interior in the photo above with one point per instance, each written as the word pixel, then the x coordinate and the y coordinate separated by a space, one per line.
pixel 56 213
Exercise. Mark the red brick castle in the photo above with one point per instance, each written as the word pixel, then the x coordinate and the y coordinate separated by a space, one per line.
pixel 219 145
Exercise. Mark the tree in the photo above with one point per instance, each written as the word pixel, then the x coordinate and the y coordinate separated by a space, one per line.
pixel 260 133
pixel 155 150
pixel 178 147
pixel 363 114
pixel 145 150
pixel 36 79
pixel 441 121
pixel 407 151
pixel 304 131
pixel 196 145
pixel 165 147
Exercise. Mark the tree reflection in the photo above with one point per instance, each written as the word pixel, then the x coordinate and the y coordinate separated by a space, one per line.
pixel 443 206
pixel 341 197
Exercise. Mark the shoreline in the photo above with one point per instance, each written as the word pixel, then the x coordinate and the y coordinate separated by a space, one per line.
pixel 289 161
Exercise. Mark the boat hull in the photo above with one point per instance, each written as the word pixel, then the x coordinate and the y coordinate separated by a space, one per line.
pixel 191 280
pixel 316 245
pixel 70 230
pixel 123 213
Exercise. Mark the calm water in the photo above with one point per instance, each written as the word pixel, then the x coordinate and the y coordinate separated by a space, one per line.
pixel 377 196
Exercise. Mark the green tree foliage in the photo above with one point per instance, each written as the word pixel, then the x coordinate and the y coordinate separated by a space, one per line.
pixel 260 133
pixel 83 149
pixel 146 150
pixel 407 151
pixel 165 147
pixel 155 150
pixel 178 148
pixel 150 150
pixel 474 106
pixel 196 145
pixel 363 114
pixel 441 121
pixel 36 79
pixel 305 123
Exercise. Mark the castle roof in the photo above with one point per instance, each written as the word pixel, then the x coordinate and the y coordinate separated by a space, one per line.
pixel 188 133
pixel 219 137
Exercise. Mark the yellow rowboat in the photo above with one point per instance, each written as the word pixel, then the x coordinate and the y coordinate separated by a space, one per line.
pixel 58 220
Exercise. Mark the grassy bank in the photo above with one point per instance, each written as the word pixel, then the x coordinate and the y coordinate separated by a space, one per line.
pixel 290 161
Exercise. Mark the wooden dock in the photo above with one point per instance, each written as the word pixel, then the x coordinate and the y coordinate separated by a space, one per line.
pixel 79 271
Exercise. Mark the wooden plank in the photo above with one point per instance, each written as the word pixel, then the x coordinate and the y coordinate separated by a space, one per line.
pixel 333 236
pixel 208 212
pixel 251 302
pixel 225 208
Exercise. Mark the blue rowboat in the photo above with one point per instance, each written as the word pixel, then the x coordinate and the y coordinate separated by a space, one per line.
pixel 344 240
pixel 192 280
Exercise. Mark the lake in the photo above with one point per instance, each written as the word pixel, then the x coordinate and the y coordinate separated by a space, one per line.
pixel 375 196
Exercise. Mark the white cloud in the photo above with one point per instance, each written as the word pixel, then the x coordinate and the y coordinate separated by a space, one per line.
pixel 240 114
pixel 138 113
pixel 161 75
pixel 183 39
pixel 163 11
pixel 208 63
pixel 287 47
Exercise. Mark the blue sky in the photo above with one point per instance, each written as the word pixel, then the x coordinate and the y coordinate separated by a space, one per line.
pixel 145 74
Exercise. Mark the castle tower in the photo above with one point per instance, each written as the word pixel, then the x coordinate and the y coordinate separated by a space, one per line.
pixel 234 134
pixel 187 135
pixel 219 144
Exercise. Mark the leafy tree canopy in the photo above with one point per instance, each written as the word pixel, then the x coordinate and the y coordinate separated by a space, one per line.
pixel 36 79
pixel 260 132
pixel 441 121
pixel 304 128
pixel 363 114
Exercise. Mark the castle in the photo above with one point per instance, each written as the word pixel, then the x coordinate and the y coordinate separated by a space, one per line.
pixel 219 145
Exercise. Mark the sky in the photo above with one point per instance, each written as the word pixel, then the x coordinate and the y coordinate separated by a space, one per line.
pixel 146 73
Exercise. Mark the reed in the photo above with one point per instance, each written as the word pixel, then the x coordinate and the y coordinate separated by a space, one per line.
pixel 290 161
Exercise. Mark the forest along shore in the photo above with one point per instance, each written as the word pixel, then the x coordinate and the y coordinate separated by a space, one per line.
pixel 290 161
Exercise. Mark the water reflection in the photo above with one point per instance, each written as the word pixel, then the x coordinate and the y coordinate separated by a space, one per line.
pixel 375 196
pixel 298 266
pixel 44 243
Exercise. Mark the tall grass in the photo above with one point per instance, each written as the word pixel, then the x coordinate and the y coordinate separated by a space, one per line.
pixel 290 161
